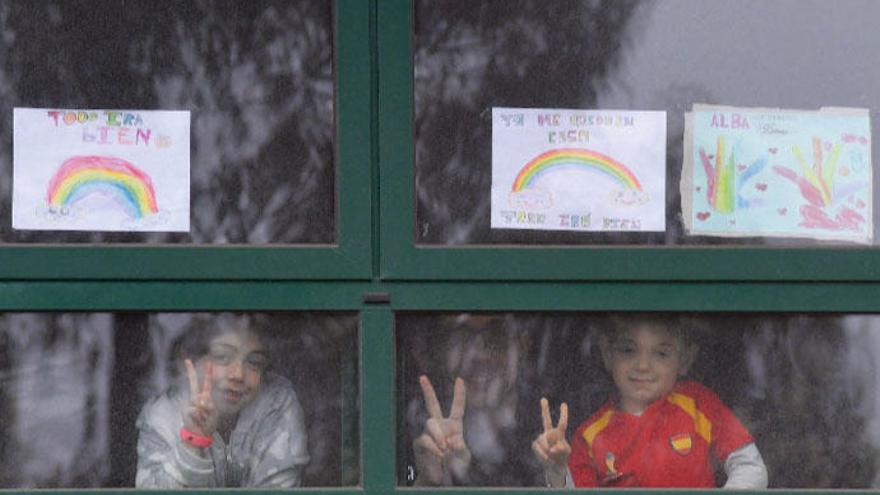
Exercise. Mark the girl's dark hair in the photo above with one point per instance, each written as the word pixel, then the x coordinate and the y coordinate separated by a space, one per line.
pixel 204 327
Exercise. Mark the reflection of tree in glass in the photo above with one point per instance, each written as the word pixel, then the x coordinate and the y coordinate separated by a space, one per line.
pixel 6 411
pixel 319 353
pixel 56 407
pixel 470 57
pixel 256 75
pixel 808 409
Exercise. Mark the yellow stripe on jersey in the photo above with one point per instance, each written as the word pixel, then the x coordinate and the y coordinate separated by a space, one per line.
pixel 702 425
pixel 591 431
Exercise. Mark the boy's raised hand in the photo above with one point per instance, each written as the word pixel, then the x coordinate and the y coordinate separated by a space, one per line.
pixel 551 447
pixel 440 451
pixel 199 415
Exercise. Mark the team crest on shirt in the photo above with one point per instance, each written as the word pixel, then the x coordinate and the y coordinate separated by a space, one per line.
pixel 609 463
pixel 681 443
pixel 613 475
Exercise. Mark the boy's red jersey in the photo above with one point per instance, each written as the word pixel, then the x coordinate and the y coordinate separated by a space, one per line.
pixel 673 443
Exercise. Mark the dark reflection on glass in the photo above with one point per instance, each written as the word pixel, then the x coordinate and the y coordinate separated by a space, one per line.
pixel 804 386
pixel 257 77
pixel 73 385
pixel 621 54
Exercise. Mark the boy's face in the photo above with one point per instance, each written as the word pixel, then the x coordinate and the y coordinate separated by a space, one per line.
pixel 645 362
pixel 238 359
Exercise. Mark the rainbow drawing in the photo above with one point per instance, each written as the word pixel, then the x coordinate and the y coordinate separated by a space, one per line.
pixel 567 158
pixel 720 191
pixel 81 176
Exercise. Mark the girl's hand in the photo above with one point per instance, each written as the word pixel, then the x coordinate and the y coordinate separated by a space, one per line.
pixel 551 448
pixel 199 415
pixel 440 451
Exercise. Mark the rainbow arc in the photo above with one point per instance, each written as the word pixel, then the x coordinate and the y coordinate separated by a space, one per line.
pixel 567 158
pixel 82 176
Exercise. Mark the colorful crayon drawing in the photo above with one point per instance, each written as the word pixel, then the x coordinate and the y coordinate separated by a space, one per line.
pixel 823 193
pixel 82 176
pixel 101 170
pixel 760 182
pixel 579 170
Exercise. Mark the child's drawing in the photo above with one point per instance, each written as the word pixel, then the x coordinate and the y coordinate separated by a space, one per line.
pixel 101 170
pixel 80 177
pixel 578 170
pixel 824 194
pixel 755 179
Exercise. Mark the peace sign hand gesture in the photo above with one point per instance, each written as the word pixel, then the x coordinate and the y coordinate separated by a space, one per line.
pixel 441 451
pixel 551 448
pixel 199 414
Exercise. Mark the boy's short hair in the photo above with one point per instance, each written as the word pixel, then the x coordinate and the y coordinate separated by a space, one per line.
pixel 681 327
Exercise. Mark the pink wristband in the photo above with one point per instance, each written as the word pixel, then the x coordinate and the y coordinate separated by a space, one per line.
pixel 195 440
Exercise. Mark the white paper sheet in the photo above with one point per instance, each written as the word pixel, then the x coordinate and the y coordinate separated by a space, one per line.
pixel 760 172
pixel 101 170
pixel 578 170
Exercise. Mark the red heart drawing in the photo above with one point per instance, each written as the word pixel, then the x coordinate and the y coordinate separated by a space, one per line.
pixel 860 204
pixel 703 215
pixel 782 211
pixel 761 186
pixel 773 150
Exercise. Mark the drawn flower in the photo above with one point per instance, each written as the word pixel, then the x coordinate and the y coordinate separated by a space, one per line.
pixel 721 176
pixel 819 189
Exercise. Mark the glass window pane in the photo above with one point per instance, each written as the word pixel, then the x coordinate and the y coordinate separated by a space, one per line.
pixel 256 76
pixel 624 55
pixel 98 400
pixel 801 389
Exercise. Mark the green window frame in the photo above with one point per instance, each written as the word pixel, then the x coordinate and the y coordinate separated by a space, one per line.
pixel 209 296
pixel 376 270
pixel 403 260
pixel 704 298
pixel 348 258
pixel 376 335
